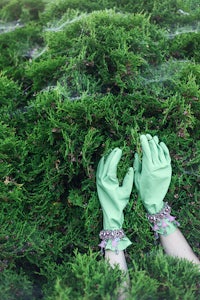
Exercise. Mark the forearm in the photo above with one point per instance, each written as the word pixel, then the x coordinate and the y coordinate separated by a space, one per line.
pixel 116 259
pixel 119 260
pixel 176 245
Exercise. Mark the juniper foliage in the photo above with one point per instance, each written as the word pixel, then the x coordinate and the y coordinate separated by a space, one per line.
pixel 77 79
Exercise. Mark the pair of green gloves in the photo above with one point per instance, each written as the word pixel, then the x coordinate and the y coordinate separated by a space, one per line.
pixel 152 177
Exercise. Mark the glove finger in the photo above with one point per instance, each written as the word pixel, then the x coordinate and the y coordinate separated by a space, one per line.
pixel 112 164
pixel 147 159
pixel 149 136
pixel 161 154
pixel 166 152
pixel 100 168
pixel 128 182
pixel 107 160
pixel 138 168
pixel 156 140
pixel 154 151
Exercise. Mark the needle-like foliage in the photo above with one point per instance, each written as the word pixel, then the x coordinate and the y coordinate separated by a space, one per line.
pixel 78 78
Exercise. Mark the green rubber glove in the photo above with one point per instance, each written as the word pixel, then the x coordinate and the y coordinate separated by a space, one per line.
pixel 113 198
pixel 153 176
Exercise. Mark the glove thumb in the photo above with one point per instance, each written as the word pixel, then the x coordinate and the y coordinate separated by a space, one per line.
pixel 138 168
pixel 128 181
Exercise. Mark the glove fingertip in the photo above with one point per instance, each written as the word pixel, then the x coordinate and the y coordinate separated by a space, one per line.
pixel 142 137
pixel 131 172
pixel 156 139
pixel 128 179
pixel 166 151
pixel 149 136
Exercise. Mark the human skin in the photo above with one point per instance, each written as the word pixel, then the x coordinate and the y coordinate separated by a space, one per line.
pixel 176 245
pixel 119 260
pixel 173 244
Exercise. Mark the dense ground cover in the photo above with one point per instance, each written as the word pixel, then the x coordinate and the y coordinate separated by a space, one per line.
pixel 78 78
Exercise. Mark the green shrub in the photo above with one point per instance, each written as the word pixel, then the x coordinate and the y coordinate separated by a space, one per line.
pixel 71 89
pixel 111 60
pixel 168 13
pixel 15 285
pixel 23 10
pixel 45 72
pixel 16 47
pixel 11 93
pixel 164 274
pixel 187 46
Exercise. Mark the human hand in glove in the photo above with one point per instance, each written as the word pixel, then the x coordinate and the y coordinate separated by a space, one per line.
pixel 113 198
pixel 152 180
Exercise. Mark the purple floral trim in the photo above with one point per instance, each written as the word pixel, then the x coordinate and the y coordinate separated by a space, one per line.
pixel 114 235
pixel 158 220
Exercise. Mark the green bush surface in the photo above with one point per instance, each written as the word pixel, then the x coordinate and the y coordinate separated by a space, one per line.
pixel 78 78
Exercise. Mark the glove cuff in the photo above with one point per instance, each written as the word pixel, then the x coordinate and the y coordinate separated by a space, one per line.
pixel 122 245
pixel 114 240
pixel 162 222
